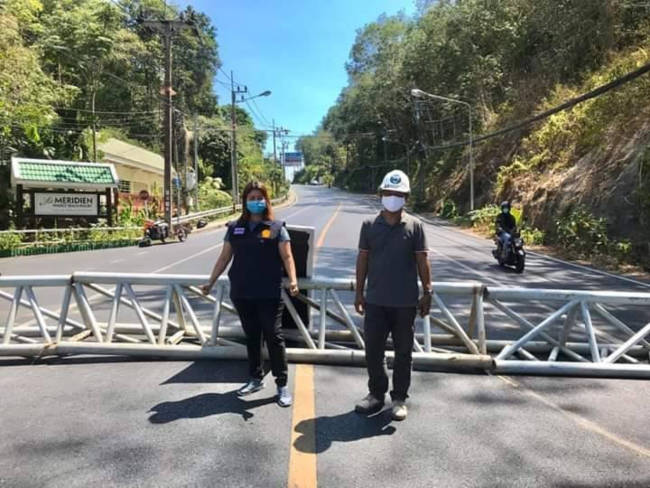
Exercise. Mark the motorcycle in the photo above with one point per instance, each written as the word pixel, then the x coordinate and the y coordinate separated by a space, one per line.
pixel 515 255
pixel 158 230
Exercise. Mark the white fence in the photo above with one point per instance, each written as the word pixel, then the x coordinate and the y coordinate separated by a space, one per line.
pixel 548 331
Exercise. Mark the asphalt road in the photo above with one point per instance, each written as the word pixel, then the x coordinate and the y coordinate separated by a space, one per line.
pixel 81 421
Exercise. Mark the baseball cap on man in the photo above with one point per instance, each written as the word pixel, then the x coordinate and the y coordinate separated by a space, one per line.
pixel 396 180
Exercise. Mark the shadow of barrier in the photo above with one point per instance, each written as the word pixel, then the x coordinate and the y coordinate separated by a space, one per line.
pixel 581 332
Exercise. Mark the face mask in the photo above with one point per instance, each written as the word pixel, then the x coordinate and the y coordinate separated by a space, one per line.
pixel 393 203
pixel 256 206
pixel 506 211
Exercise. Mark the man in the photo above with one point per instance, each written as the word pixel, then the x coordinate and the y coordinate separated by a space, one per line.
pixel 506 225
pixel 392 252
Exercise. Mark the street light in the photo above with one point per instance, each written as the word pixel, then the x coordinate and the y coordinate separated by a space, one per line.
pixel 263 94
pixel 417 93
pixel 408 153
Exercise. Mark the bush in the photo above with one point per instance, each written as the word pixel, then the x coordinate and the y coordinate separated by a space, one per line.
pixel 211 198
pixel 449 210
pixel 483 218
pixel 533 236
pixel 10 241
pixel 582 234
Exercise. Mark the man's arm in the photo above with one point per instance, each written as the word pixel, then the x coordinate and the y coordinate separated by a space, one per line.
pixel 362 268
pixel 424 271
pixel 362 274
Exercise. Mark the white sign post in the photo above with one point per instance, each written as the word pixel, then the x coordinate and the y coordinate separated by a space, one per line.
pixel 63 204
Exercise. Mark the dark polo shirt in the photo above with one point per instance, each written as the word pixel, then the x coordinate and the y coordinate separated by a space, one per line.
pixel 392 265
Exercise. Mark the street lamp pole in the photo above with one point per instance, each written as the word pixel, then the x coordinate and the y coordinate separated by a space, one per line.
pixel 417 93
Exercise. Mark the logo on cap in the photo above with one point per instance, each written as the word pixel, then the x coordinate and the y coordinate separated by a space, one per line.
pixel 396 179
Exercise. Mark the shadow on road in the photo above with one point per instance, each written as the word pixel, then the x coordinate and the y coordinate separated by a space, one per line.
pixel 206 405
pixel 211 372
pixel 346 427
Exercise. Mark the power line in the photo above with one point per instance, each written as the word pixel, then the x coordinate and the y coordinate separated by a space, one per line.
pixel 566 105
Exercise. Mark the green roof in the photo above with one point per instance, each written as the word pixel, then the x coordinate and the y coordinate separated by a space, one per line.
pixel 38 173
pixel 66 173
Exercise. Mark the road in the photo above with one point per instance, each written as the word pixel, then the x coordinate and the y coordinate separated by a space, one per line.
pixel 82 421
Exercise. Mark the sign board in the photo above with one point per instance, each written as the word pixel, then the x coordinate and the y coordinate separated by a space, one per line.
pixel 293 159
pixel 303 247
pixel 176 180
pixel 73 204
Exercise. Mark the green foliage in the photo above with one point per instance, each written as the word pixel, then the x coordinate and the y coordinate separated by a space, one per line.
pixel 449 210
pixel 581 234
pixel 211 196
pixel 9 241
pixel 484 218
pixel 533 236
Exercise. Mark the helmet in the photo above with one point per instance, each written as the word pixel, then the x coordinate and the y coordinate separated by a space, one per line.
pixel 505 205
pixel 396 180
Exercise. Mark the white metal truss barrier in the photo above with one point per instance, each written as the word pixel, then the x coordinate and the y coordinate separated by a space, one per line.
pixel 471 326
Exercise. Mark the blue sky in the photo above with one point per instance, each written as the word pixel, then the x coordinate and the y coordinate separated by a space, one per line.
pixel 295 48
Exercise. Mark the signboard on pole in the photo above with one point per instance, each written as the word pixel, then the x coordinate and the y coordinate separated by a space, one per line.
pixel 293 159
pixel 63 204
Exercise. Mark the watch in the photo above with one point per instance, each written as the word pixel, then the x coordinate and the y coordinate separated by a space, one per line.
pixel 428 291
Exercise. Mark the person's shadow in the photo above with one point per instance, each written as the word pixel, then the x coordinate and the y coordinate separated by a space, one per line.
pixel 205 405
pixel 318 434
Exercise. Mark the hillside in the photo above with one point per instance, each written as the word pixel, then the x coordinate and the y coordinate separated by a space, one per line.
pixel 579 176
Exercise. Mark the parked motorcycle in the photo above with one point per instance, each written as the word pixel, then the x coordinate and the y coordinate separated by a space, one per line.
pixel 515 255
pixel 158 230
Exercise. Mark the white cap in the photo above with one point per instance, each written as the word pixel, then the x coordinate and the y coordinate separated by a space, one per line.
pixel 396 180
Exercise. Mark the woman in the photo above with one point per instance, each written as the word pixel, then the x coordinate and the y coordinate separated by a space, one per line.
pixel 259 246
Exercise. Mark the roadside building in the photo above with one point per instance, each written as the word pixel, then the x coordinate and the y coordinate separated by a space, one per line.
pixel 137 169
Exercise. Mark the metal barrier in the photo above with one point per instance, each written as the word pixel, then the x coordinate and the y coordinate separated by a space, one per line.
pixel 220 211
pixel 463 327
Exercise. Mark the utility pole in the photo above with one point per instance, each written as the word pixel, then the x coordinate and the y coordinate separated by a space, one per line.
pixel 233 145
pixel 275 156
pixel 168 29
pixel 196 162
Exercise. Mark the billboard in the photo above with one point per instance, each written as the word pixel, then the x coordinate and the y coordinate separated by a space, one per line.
pixel 293 159
pixel 61 204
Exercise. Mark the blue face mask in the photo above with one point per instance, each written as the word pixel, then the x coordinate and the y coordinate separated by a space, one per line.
pixel 256 206
pixel 506 211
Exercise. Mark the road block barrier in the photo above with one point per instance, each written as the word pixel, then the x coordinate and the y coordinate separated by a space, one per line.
pixel 550 332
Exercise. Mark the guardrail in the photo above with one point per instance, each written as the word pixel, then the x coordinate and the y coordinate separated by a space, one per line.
pixel 222 211
pixel 462 329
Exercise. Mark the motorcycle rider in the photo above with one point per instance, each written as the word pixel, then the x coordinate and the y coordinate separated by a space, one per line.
pixel 506 226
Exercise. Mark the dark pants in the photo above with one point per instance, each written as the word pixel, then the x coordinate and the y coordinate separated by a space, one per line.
pixel 504 239
pixel 399 322
pixel 262 320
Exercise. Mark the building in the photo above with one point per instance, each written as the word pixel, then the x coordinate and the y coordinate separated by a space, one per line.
pixel 137 168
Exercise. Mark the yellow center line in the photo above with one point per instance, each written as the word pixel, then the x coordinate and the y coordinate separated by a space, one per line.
pixel 302 463
pixel 579 419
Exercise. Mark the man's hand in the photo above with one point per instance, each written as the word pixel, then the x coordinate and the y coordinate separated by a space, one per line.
pixel 205 289
pixel 360 304
pixel 293 289
pixel 424 306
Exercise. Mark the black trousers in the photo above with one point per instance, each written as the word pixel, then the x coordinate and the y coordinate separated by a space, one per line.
pixel 262 320
pixel 399 322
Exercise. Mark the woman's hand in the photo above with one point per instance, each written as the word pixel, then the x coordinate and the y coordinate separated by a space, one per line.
pixel 293 289
pixel 205 289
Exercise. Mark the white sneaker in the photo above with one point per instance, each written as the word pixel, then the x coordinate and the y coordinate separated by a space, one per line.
pixel 251 387
pixel 368 405
pixel 284 397
pixel 399 411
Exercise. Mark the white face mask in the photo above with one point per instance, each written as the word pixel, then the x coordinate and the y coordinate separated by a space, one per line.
pixel 393 203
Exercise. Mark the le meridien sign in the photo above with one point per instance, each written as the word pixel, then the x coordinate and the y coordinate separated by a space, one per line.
pixel 66 204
